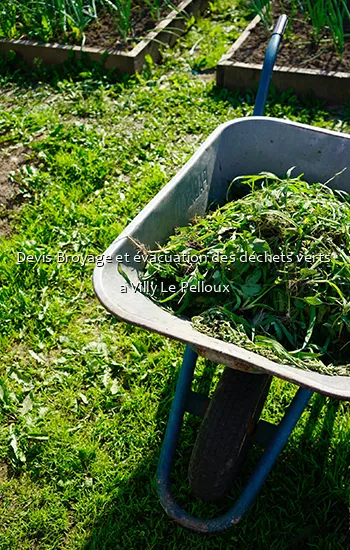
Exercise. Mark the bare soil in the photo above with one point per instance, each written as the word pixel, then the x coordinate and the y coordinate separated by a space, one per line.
pixel 298 48
pixel 3 472
pixel 104 33
pixel 10 198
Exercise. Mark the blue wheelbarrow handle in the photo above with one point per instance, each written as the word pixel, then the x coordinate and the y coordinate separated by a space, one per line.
pixel 257 478
pixel 269 62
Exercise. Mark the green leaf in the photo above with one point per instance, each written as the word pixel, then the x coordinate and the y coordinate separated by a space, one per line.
pixel 254 277
pixel 149 61
pixel 123 274
pixel 217 277
pixel 27 405
pixel 269 175
pixel 313 301
pixel 305 272
pixel 289 172
pixel 36 356
pixel 83 398
pixel 260 246
pixel 251 289
pixel 115 387
pixel 19 454
pixel 38 437
pixel 310 328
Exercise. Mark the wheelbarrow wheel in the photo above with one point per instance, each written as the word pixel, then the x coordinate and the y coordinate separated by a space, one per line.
pixel 223 437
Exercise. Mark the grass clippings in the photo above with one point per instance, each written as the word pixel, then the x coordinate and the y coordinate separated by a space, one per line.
pixel 269 272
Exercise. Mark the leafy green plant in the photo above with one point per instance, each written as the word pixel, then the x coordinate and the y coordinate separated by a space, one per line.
pixel 336 15
pixel 79 14
pixel 121 13
pixel 316 12
pixel 329 14
pixel 155 7
pixel 263 9
pixel 8 16
pixel 46 20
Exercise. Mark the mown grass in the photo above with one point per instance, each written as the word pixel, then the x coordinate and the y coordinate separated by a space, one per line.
pixel 84 399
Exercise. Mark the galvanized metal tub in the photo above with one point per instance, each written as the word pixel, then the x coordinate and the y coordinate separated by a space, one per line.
pixel 242 146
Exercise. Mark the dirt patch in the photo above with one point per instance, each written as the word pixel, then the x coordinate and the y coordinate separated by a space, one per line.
pixel 297 50
pixel 104 34
pixel 10 198
pixel 3 472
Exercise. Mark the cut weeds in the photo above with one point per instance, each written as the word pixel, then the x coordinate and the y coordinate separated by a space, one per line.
pixel 269 272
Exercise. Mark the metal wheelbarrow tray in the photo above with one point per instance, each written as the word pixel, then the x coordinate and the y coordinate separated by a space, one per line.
pixel 242 146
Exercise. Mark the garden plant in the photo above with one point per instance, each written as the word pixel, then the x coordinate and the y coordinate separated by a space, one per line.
pixel 68 20
pixel 328 19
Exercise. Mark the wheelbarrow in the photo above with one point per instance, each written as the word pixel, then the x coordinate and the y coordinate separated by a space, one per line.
pixel 231 417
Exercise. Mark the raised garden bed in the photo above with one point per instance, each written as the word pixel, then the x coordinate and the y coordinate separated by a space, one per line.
pixel 304 69
pixel 117 56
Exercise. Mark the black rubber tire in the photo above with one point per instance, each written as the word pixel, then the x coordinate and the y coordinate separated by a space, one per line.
pixel 223 437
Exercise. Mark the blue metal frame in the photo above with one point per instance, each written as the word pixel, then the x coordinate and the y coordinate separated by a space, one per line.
pixel 269 62
pixel 257 478
pixel 183 391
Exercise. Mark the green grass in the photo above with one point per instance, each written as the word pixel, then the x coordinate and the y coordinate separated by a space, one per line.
pixel 84 398
pixel 214 33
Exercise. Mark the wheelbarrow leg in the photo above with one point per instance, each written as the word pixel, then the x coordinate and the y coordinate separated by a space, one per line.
pixel 257 478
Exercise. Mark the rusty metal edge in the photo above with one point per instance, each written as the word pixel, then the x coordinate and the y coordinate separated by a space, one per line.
pixel 166 32
pixel 333 87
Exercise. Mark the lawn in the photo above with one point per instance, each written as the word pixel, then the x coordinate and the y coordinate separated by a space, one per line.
pixel 84 398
